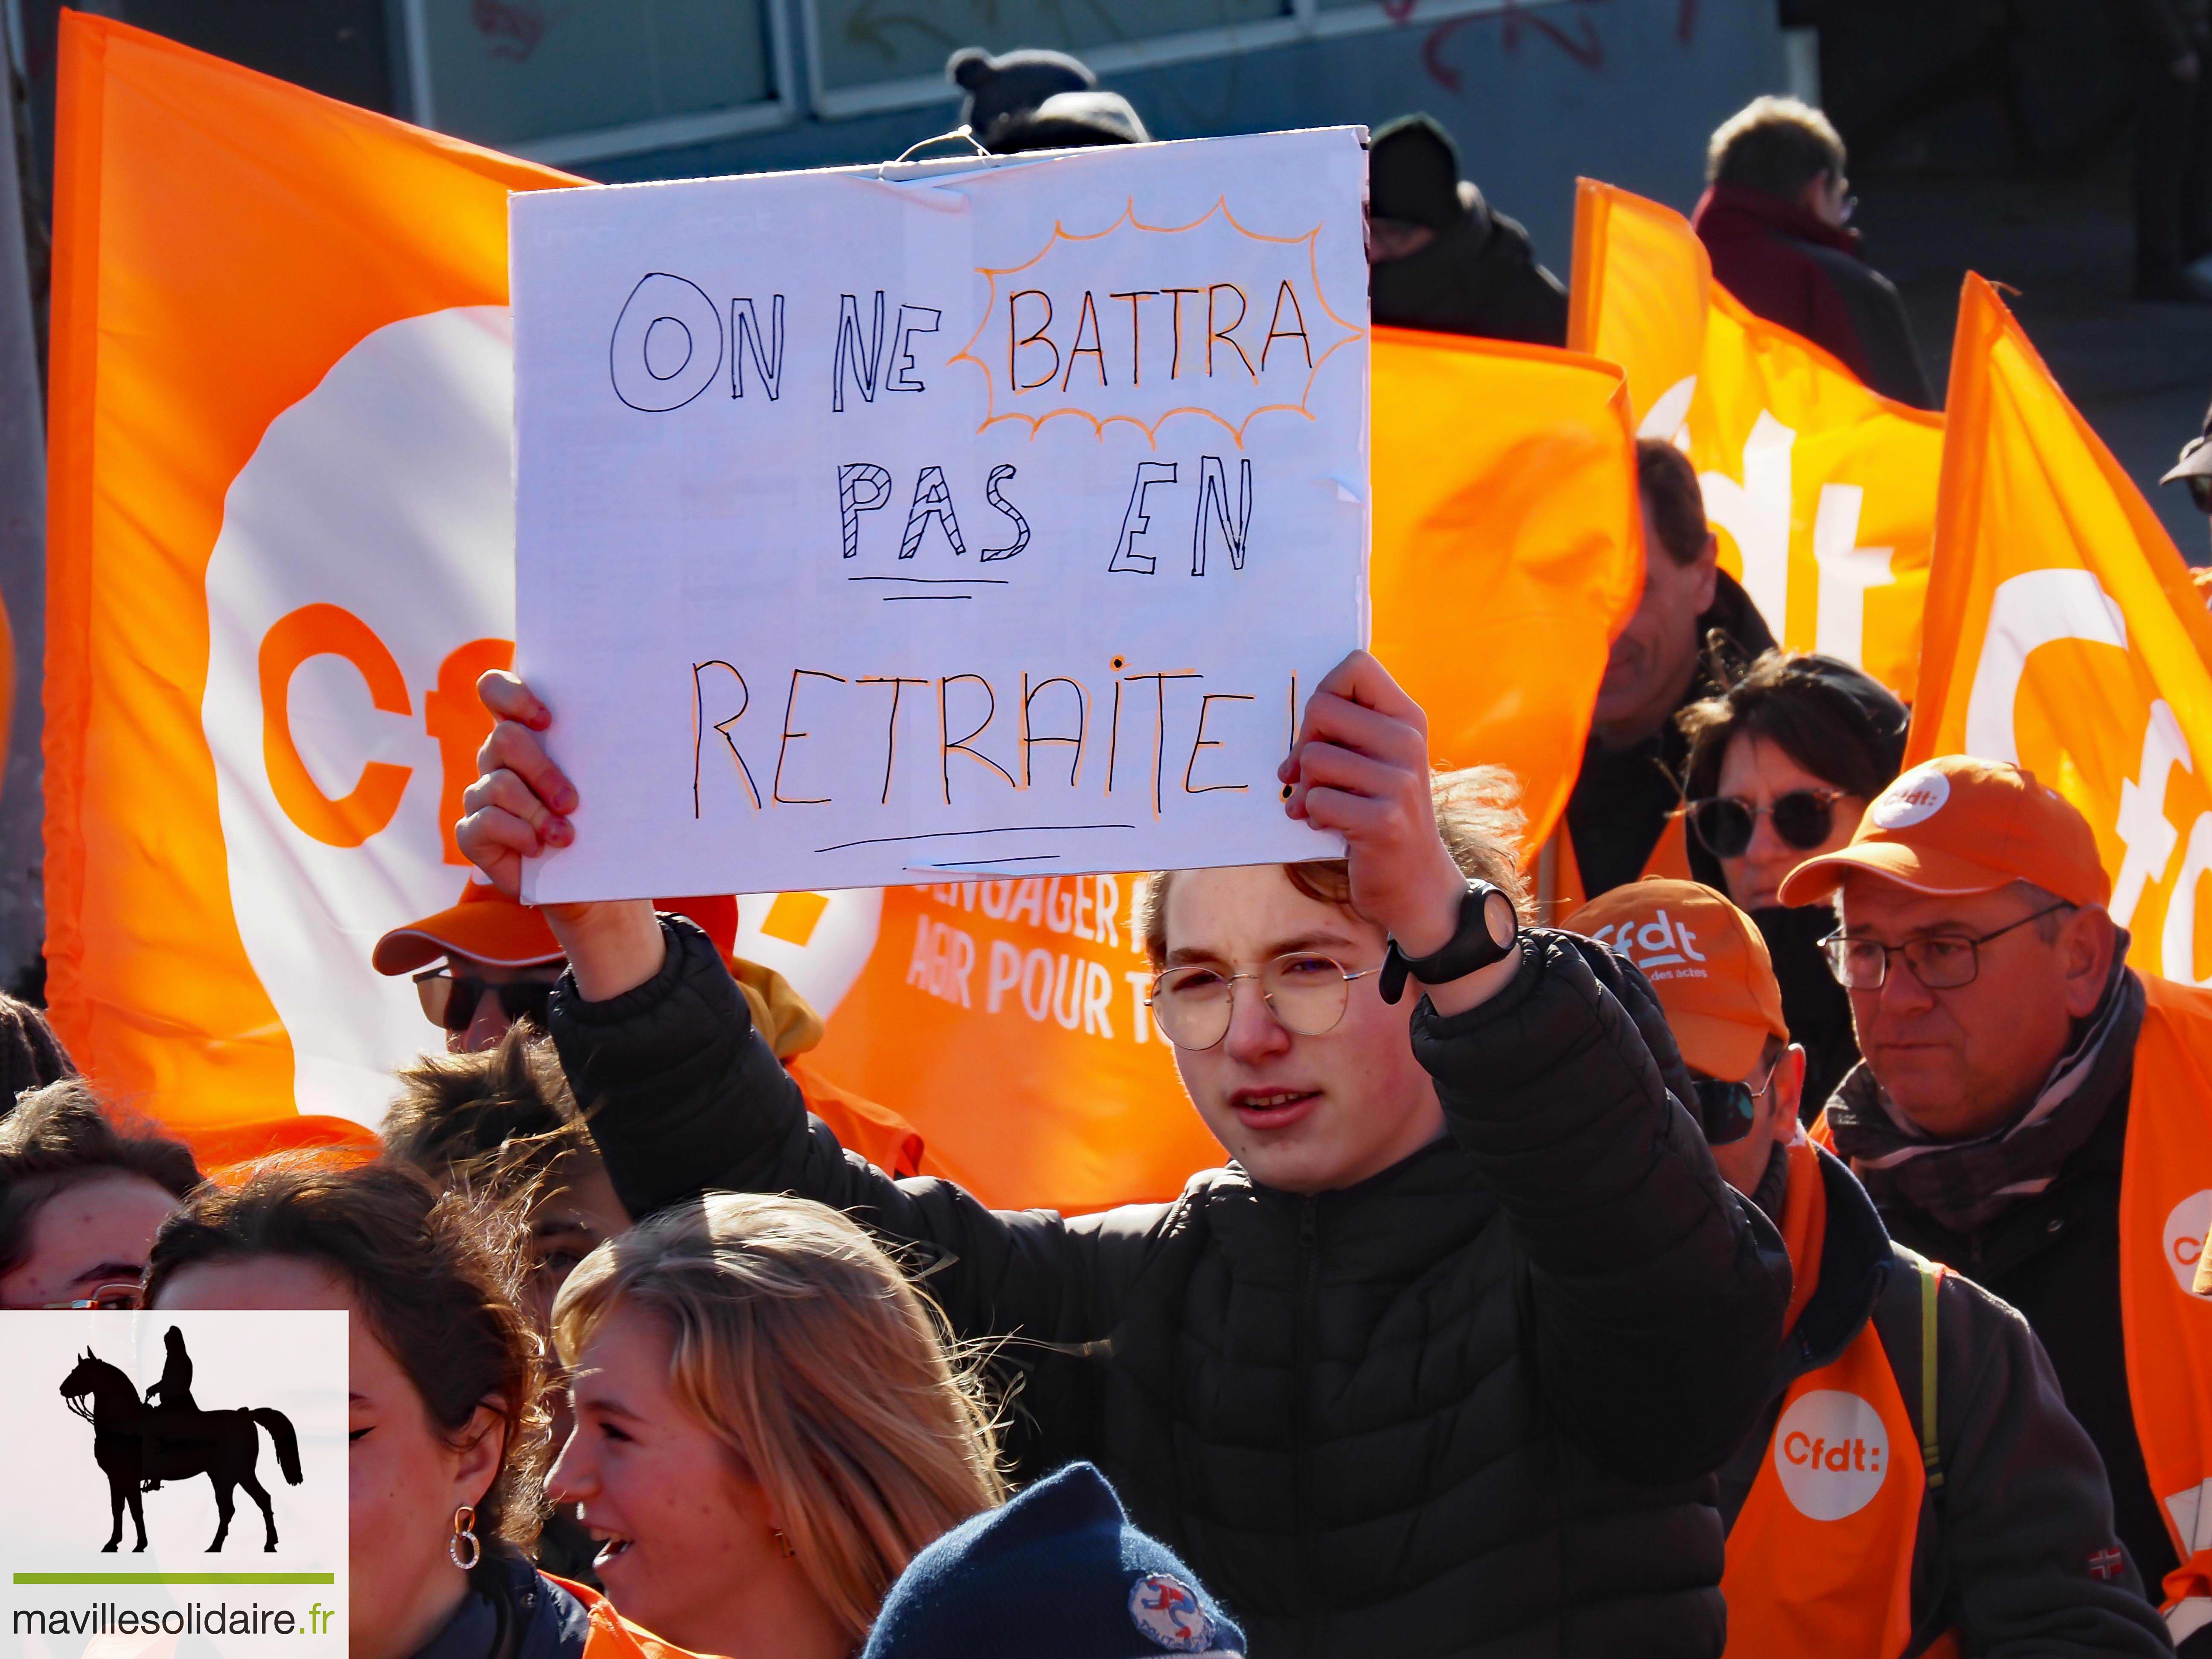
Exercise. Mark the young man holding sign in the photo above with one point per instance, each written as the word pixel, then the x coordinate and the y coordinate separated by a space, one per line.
pixel 1442 1361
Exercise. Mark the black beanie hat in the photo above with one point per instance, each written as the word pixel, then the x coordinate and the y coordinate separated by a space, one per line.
pixel 1058 1571
pixel 1013 82
pixel 1412 175
pixel 1067 120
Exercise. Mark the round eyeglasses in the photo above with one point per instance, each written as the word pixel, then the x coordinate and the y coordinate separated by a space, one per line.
pixel 1803 819
pixel 1307 993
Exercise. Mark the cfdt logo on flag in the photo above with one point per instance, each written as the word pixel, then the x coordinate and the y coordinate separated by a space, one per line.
pixel 175 1483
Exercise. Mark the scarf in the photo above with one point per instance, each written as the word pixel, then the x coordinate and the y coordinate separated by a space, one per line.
pixel 1962 1185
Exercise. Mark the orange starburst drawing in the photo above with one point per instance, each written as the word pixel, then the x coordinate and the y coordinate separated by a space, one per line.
pixel 1209 260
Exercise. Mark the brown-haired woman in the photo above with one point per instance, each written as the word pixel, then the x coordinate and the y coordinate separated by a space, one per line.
pixel 1781 768
pixel 768 1426
pixel 447 1435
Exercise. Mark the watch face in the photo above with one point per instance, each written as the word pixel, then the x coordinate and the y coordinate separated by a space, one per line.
pixel 1498 916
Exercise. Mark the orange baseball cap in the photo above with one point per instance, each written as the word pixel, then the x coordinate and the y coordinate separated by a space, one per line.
pixel 1704 958
pixel 1958 825
pixel 488 926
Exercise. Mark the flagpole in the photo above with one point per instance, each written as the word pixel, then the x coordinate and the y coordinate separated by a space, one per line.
pixel 22 557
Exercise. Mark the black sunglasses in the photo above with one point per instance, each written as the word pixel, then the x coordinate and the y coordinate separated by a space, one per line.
pixel 1728 1109
pixel 1803 818
pixel 451 999
pixel 2200 490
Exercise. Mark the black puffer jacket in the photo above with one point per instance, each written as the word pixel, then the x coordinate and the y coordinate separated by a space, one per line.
pixel 1468 1406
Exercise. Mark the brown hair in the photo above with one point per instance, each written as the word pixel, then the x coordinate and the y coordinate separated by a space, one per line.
pixel 31 1055
pixel 1668 484
pixel 1478 814
pixel 1776 145
pixel 435 1275
pixel 63 1135
pixel 800 1345
pixel 502 1119
pixel 1839 724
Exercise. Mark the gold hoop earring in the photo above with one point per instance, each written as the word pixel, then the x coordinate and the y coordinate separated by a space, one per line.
pixel 783 1543
pixel 464 1533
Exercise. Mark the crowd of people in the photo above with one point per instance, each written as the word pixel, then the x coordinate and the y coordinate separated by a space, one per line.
pixel 1727 1256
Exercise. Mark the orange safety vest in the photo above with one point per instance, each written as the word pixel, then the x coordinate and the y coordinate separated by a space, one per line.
pixel 1819 1559
pixel 612 1636
pixel 1670 858
pixel 2165 1203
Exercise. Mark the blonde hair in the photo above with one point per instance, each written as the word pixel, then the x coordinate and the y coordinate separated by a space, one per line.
pixel 1777 145
pixel 1479 815
pixel 797 1342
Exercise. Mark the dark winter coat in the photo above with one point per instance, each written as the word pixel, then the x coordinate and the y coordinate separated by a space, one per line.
pixel 2011 1552
pixel 512 1611
pixel 1479 276
pixel 1809 277
pixel 1469 1406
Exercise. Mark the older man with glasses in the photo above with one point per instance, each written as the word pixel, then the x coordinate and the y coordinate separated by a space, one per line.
pixel 2037 1114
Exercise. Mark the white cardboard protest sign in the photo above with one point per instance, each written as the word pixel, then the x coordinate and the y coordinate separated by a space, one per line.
pixel 880 523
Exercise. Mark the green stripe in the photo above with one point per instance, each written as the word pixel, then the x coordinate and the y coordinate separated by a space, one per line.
pixel 176 1578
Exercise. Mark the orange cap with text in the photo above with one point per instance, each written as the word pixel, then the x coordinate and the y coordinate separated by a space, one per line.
pixel 488 926
pixel 1704 958
pixel 1959 825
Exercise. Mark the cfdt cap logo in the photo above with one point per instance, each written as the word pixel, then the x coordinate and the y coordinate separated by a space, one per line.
pixel 1830 1453
pixel 1661 947
pixel 1917 796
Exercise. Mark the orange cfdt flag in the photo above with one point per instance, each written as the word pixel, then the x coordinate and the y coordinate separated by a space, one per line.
pixel 275 568
pixel 1822 492
pixel 2063 634
pixel 1508 547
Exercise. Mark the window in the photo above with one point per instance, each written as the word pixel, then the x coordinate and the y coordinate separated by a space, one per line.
pixel 868 54
pixel 567 80
pixel 875 54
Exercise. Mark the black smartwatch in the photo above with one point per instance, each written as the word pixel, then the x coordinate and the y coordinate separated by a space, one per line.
pixel 1488 928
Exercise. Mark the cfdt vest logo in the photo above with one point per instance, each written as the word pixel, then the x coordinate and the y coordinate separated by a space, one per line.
pixel 172 1475
pixel 2185 1227
pixel 1830 1453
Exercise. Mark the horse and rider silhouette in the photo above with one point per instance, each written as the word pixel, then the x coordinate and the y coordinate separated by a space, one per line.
pixel 138 1445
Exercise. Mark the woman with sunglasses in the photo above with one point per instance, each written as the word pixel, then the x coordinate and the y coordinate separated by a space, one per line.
pixel 1780 768
pixel 82 1193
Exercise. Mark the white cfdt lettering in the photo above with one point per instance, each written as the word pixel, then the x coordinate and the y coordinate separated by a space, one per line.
pixel 1830 1453
pixel 2141 824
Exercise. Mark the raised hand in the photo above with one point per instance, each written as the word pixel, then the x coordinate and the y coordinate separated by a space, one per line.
pixel 518 808
pixel 1360 767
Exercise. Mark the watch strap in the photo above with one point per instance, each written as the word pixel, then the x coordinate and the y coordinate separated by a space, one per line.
pixel 1471 947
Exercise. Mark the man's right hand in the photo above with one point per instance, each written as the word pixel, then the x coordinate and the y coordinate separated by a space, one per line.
pixel 518 808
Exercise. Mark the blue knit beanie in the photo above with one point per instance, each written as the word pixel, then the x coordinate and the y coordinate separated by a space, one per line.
pixel 1059 1573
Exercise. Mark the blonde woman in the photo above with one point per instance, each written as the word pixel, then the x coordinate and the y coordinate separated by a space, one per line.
pixel 768 1426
